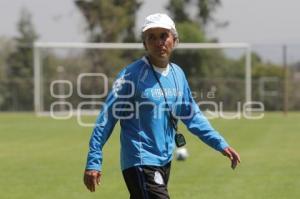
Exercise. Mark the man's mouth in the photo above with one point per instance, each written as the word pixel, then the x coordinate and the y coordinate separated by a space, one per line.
pixel 161 50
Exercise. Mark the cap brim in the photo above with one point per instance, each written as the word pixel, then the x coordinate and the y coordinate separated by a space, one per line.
pixel 156 26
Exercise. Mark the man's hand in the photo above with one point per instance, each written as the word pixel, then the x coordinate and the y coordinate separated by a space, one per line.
pixel 232 155
pixel 91 178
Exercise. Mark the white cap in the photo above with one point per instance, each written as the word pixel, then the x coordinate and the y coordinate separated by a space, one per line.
pixel 158 20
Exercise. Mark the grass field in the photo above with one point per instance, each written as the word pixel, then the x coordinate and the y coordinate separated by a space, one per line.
pixel 42 158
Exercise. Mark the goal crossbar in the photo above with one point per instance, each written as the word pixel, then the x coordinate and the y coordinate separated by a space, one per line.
pixel 136 45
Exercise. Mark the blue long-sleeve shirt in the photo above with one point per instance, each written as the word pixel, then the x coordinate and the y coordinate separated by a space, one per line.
pixel 147 137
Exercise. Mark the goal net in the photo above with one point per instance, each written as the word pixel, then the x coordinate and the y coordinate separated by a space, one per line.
pixel 74 78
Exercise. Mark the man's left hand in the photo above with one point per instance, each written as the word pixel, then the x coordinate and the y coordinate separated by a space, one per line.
pixel 232 155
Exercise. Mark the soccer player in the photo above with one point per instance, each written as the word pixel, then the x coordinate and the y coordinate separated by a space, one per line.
pixel 148 97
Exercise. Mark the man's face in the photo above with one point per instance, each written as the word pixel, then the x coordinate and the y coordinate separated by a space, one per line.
pixel 159 43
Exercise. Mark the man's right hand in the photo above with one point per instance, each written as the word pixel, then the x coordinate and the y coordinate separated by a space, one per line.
pixel 91 178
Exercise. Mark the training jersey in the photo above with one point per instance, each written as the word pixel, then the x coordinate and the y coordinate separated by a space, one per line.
pixel 138 102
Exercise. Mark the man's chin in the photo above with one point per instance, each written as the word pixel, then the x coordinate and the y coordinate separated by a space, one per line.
pixel 163 56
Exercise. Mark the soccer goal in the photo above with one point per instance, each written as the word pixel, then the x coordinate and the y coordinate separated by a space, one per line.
pixel 74 78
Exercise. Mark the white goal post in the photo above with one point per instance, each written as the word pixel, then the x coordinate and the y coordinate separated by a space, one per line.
pixel 38 46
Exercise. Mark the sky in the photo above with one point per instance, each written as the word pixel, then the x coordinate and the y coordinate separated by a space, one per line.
pixel 259 22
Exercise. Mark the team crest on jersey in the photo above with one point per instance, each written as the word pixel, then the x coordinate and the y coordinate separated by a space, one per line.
pixel 118 85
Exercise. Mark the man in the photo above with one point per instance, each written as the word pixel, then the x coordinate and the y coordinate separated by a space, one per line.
pixel 148 97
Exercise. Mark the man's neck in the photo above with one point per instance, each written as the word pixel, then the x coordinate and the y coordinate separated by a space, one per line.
pixel 159 63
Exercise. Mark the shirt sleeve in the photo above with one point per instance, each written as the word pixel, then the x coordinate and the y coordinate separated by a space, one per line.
pixel 197 123
pixel 121 91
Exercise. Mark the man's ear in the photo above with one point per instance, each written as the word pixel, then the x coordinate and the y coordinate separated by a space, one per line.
pixel 145 45
pixel 176 41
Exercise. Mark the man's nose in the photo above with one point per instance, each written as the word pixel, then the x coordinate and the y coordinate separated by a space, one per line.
pixel 160 42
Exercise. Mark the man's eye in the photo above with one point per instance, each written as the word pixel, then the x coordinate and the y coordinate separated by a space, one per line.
pixel 164 35
pixel 150 37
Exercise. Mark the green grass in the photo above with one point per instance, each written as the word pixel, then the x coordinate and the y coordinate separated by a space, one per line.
pixel 42 158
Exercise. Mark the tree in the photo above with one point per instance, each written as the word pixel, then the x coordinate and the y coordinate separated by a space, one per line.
pixel 109 21
pixel 206 10
pixel 20 65
pixel 5 50
pixel 191 29
pixel 206 68
pixel 178 11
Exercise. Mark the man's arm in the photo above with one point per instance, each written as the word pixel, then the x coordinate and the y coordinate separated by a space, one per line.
pixel 103 128
pixel 198 124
